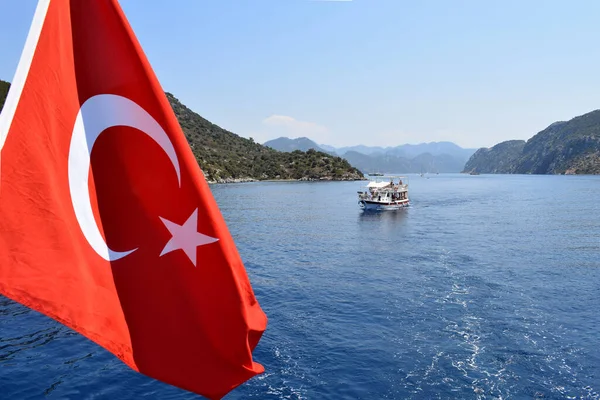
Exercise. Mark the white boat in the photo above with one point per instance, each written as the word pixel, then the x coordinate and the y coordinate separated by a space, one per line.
pixel 385 194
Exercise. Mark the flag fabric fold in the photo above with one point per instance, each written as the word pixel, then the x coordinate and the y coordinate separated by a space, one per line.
pixel 106 221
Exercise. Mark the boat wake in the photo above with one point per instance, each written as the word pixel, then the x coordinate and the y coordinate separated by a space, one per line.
pixel 487 347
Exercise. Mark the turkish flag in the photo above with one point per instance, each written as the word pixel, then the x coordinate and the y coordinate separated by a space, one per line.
pixel 106 221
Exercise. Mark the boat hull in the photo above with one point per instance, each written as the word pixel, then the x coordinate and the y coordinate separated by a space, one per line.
pixel 368 205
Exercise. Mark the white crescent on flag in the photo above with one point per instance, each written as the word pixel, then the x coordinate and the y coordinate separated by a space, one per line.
pixel 97 114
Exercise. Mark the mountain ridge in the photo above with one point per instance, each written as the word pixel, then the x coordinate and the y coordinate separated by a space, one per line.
pixel 405 158
pixel 497 159
pixel 288 145
pixel 564 147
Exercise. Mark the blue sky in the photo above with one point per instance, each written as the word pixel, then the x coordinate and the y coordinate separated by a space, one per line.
pixel 374 72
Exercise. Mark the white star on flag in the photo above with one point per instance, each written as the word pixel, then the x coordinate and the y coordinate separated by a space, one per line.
pixel 186 237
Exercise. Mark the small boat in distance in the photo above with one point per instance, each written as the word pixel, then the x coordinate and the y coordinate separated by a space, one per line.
pixel 384 194
pixel 375 174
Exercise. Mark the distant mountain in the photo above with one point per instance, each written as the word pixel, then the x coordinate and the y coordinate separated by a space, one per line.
pixel 362 149
pixel 329 149
pixel 378 162
pixel 427 162
pixel 571 147
pixel 226 157
pixel 424 157
pixel 500 159
pixel 433 148
pixel 406 158
pixel 288 145
pixel 390 163
pixel 409 150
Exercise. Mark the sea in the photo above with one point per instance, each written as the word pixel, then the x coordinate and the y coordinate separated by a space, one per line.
pixel 486 287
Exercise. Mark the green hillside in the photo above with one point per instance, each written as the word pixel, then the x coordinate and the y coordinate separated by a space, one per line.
pixel 226 157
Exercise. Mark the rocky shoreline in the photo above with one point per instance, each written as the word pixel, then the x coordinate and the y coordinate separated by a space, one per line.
pixel 303 179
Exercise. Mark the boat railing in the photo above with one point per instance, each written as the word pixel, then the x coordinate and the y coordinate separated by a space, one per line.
pixel 382 194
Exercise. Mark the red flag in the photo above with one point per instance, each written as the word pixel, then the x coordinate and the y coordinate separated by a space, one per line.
pixel 106 221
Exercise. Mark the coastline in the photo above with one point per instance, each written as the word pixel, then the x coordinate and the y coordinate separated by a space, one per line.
pixel 304 179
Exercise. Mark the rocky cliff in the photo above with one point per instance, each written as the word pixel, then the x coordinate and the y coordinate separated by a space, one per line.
pixel 572 146
pixel 565 147
pixel 499 159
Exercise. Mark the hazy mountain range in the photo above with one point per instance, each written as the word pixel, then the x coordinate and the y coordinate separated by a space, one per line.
pixel 564 147
pixel 406 158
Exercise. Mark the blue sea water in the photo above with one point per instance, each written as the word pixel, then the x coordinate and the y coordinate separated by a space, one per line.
pixel 487 287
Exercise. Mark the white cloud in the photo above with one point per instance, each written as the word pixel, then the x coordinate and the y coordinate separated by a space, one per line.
pixel 297 127
pixel 282 125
